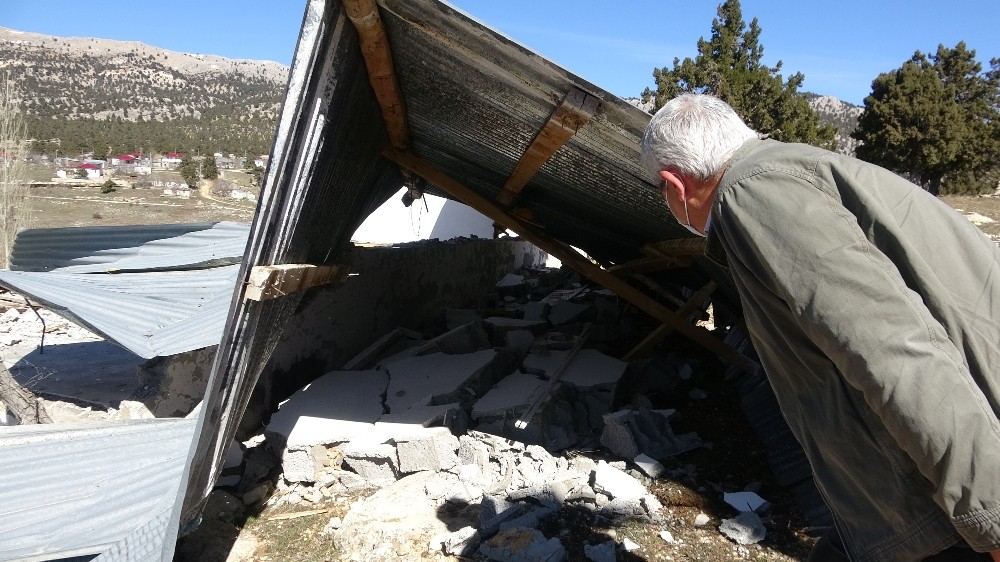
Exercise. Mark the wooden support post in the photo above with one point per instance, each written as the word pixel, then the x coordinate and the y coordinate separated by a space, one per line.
pixel 21 401
pixel 568 117
pixel 565 254
pixel 664 330
pixel 378 58
pixel 271 281
pixel 650 265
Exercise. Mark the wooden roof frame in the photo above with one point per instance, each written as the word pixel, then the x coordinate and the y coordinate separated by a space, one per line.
pixel 565 120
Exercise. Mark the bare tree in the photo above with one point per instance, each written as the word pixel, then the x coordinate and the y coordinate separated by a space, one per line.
pixel 14 211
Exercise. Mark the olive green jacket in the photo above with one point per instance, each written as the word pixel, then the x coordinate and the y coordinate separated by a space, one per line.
pixel 875 309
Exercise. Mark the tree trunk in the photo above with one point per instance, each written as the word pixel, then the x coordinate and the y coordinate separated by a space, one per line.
pixel 20 401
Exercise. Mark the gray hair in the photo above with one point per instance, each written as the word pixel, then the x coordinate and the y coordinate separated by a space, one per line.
pixel 695 134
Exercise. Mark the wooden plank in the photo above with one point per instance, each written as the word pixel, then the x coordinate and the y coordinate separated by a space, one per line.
pixel 566 119
pixel 664 330
pixel 21 401
pixel 567 255
pixel 271 281
pixel 378 58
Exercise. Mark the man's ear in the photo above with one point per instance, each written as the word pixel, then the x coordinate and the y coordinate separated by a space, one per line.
pixel 672 181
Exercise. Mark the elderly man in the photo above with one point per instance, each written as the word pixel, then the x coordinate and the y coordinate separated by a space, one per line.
pixel 875 310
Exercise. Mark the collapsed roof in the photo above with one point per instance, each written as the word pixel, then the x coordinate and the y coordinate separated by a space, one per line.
pixel 415 92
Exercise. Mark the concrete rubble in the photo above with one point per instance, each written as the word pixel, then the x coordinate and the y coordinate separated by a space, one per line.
pixel 458 444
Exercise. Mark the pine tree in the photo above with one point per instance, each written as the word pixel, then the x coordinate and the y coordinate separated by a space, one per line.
pixel 729 65
pixel 188 171
pixel 936 120
pixel 209 169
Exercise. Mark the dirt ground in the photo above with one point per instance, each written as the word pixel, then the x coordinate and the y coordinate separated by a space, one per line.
pixel 66 206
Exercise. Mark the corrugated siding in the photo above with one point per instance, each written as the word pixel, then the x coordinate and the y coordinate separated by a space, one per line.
pixel 150 314
pixel 86 489
pixel 129 248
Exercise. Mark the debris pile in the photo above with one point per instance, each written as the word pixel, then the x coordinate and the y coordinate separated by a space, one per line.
pixel 464 443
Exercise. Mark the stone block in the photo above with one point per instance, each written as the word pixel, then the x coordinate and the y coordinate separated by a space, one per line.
pixel 435 448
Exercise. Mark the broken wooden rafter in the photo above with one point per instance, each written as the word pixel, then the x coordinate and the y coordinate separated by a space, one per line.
pixel 664 330
pixel 378 58
pixel 566 119
pixel 271 281
pixel 565 254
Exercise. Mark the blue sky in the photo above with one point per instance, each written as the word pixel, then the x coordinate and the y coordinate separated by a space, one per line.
pixel 840 45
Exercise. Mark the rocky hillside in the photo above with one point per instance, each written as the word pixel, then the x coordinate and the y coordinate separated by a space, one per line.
pixel 840 114
pixel 205 99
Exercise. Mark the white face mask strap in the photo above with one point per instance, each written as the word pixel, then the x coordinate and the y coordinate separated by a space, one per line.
pixel 688 225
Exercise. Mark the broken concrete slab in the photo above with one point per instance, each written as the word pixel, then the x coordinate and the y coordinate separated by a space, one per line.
pixel 440 378
pixel 510 396
pixel 498 326
pixel 564 312
pixel 332 409
pixel 588 369
pixel 396 341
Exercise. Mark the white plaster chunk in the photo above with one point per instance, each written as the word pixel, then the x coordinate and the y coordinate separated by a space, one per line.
pixel 415 381
pixel 333 408
pixel 616 483
pixel 648 465
pixel 745 501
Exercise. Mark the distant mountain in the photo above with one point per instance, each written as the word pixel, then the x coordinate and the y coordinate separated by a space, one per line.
pixel 129 92
pixel 840 114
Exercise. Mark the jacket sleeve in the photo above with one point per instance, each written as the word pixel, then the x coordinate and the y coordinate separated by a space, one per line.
pixel 852 303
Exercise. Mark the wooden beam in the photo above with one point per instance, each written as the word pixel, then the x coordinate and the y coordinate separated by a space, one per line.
pixel 664 330
pixel 567 118
pixel 271 281
pixel 378 58
pixel 650 264
pixel 676 247
pixel 565 254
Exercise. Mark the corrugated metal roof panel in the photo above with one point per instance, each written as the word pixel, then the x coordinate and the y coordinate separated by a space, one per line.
pixel 129 248
pixel 150 314
pixel 89 489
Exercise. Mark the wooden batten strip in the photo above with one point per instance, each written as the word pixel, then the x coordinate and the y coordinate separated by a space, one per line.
pixel 569 116
pixel 565 254
pixel 378 58
pixel 271 281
